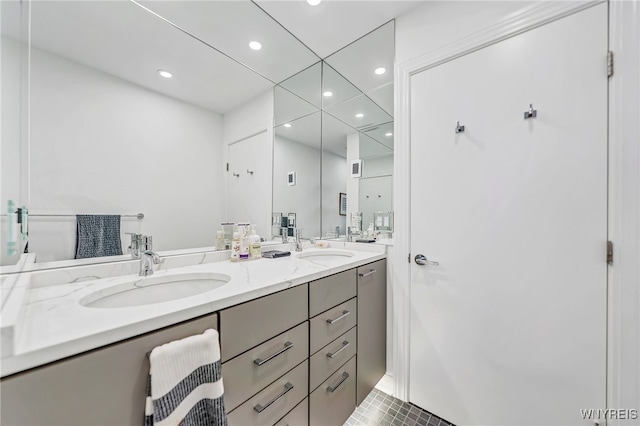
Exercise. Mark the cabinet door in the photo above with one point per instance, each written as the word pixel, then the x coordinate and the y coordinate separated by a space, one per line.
pixel 335 399
pixel 247 374
pixel 247 325
pixel 106 386
pixel 372 326
pixel 328 292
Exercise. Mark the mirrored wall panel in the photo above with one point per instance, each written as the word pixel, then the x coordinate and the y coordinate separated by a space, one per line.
pixel 14 56
pixel 353 90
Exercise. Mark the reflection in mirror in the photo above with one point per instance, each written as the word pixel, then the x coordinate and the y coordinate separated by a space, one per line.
pixel 368 64
pixel 336 139
pixel 14 53
pixel 297 152
pixel 375 184
pixel 229 26
pixel 364 70
pixel 306 85
pixel 111 135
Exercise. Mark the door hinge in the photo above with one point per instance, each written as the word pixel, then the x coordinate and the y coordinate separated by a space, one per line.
pixel 609 252
pixel 409 258
pixel 227 166
pixel 609 63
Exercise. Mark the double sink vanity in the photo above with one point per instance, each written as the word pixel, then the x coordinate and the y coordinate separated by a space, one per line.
pixel 303 338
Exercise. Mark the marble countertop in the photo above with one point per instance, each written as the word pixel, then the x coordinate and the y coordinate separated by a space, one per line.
pixel 53 325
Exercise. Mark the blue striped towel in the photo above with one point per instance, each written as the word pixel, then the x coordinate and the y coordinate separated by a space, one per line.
pixel 185 383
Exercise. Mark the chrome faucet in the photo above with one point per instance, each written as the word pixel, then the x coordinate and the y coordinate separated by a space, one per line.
pixel 148 257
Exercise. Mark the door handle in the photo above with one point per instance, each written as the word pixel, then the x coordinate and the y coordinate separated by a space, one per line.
pixel 422 260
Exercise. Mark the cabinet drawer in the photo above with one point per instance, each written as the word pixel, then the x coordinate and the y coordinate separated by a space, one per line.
pixel 327 360
pixel 244 326
pixel 274 401
pixel 243 377
pixel 106 386
pixel 327 326
pixel 299 416
pixel 334 401
pixel 327 292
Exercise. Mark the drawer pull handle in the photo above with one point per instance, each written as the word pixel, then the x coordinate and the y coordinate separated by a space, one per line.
pixel 373 271
pixel 260 361
pixel 345 376
pixel 344 314
pixel 345 344
pixel 260 408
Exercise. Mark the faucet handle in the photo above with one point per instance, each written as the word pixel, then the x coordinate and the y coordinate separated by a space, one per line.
pixel 134 245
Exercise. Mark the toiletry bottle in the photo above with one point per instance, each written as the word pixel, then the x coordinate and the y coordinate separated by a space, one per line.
pixel 220 244
pixel 244 242
pixel 370 234
pixel 255 251
pixel 235 247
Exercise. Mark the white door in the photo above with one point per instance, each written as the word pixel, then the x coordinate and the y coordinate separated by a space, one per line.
pixel 249 175
pixel 510 328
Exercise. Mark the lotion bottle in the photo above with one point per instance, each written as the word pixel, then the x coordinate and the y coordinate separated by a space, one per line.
pixel 235 247
pixel 255 251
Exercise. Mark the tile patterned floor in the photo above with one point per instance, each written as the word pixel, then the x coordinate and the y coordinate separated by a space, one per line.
pixel 378 408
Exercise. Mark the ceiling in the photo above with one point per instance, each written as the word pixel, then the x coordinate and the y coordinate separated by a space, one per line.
pixel 333 24
pixel 205 43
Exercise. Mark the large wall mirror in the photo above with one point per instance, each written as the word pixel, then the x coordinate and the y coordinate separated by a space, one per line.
pixel 339 111
pixel 109 134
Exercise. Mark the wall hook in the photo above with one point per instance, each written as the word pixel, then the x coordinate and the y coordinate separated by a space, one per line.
pixel 236 174
pixel 250 171
pixel 532 113
pixel 459 128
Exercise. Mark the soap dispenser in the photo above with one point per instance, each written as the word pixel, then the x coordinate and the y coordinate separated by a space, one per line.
pixel 255 251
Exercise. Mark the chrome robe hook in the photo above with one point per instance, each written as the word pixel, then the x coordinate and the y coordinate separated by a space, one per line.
pixel 532 113
pixel 459 128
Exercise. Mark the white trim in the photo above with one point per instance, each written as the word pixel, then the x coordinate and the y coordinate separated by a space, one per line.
pixel 528 18
pixel 623 387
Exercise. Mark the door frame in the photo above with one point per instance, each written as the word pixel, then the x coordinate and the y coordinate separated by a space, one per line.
pixel 624 184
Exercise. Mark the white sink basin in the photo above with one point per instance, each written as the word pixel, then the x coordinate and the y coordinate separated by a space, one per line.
pixel 325 255
pixel 154 289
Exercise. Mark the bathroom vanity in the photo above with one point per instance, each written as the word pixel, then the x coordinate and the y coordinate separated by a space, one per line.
pixel 303 341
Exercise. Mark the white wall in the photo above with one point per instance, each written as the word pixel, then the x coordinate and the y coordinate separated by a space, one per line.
pixel 103 145
pixel 302 198
pixel 435 24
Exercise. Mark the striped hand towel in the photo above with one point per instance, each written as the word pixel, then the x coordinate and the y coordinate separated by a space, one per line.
pixel 185 383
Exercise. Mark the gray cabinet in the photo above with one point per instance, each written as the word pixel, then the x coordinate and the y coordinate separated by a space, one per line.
pixel 106 386
pixel 372 326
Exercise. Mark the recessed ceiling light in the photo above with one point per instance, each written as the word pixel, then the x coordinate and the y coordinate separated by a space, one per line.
pixel 380 71
pixel 359 115
pixel 314 2
pixel 287 125
pixel 165 73
pixel 255 45
pixel 327 94
pixel 388 134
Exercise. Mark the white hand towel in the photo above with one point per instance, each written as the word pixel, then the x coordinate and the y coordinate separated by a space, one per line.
pixel 185 383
